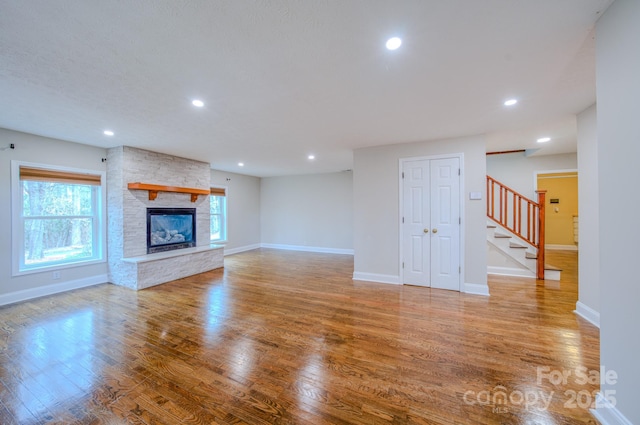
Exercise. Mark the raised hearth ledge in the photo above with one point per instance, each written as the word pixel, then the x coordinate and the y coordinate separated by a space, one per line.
pixel 170 254
pixel 154 269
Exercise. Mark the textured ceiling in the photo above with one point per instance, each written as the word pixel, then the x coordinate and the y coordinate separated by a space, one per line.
pixel 282 79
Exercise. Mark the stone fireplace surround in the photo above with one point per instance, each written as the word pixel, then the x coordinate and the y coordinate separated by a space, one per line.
pixel 129 264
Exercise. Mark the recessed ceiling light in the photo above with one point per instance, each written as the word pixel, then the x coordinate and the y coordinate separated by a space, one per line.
pixel 393 43
pixel 240 164
pixel 198 103
pixel 544 139
pixel 510 102
pixel 311 156
pixel 108 133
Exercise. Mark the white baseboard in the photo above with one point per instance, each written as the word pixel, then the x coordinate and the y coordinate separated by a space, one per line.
pixel 28 294
pixel 607 413
pixel 561 247
pixel 475 289
pixel 374 277
pixel 241 249
pixel 587 313
pixel 468 288
pixel 510 271
pixel 308 248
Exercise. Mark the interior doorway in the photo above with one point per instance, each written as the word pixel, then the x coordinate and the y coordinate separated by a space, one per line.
pixel 561 209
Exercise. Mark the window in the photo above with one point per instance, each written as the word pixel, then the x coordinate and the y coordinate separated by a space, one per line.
pixel 218 209
pixel 57 216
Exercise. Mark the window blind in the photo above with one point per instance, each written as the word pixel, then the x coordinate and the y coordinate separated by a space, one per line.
pixel 44 175
pixel 216 191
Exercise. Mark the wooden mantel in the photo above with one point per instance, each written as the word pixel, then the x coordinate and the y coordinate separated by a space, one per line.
pixel 155 188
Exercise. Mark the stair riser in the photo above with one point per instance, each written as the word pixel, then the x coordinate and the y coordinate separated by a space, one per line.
pixel 517 254
pixel 503 244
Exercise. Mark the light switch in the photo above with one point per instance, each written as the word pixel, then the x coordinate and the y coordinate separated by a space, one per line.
pixel 475 196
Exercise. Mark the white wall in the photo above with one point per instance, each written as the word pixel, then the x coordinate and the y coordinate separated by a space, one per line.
pixel 500 263
pixel 310 211
pixel 41 150
pixel 518 171
pixel 618 94
pixel 243 209
pixel 588 304
pixel 376 206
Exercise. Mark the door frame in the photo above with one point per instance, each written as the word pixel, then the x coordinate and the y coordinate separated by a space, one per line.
pixel 401 163
pixel 536 173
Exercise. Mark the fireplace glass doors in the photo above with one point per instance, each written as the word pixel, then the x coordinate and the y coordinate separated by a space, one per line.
pixel 170 228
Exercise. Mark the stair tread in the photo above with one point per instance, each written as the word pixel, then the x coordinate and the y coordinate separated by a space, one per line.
pixel 528 255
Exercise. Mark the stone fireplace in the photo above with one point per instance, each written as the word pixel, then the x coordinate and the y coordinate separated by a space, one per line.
pixel 131 264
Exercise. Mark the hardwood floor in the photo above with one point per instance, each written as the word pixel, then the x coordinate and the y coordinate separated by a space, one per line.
pixel 281 337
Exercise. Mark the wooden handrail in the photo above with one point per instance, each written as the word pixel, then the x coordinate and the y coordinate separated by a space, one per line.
pixel 520 215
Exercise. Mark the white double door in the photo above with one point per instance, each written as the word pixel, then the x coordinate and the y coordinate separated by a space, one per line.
pixel 431 222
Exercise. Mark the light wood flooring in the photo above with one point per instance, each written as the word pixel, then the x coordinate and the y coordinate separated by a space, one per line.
pixel 281 337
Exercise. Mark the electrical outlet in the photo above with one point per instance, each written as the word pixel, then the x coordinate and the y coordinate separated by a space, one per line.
pixel 55 275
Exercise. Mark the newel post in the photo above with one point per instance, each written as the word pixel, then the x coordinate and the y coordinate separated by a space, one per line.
pixel 540 262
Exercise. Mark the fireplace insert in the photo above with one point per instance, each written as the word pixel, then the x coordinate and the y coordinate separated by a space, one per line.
pixel 170 228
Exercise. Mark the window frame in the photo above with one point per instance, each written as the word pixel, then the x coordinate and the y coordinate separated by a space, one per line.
pixel 99 228
pixel 223 215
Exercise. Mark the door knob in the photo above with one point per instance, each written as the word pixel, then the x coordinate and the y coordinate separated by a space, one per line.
pixel 435 230
pixel 426 230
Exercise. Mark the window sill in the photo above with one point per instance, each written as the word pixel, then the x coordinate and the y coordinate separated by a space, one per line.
pixel 55 267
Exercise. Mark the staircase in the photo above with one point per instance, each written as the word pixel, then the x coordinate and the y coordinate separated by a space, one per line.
pixel 515 228
pixel 518 251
